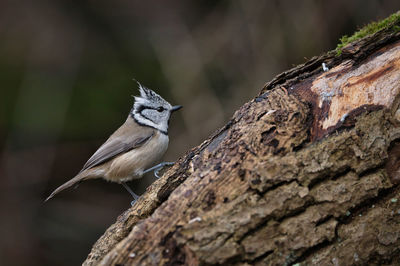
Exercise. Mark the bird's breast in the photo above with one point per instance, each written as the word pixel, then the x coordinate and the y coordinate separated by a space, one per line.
pixel 131 165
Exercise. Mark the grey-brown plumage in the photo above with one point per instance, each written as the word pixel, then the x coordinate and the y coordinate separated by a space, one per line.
pixel 135 146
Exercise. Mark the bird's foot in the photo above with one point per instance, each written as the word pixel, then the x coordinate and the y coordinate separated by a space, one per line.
pixel 157 168
pixel 135 197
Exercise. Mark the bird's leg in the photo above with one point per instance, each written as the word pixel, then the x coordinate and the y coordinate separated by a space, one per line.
pixel 157 168
pixel 135 197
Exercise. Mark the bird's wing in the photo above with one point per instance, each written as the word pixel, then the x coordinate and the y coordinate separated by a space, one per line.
pixel 117 144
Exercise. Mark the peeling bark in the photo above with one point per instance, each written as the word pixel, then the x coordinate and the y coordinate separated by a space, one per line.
pixel 307 172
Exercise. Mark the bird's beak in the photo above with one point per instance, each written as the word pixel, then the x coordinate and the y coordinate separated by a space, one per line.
pixel 176 108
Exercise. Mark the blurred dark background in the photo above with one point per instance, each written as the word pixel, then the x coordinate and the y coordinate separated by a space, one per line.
pixel 66 70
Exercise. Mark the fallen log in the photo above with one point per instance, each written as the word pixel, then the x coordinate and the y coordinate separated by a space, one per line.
pixel 306 172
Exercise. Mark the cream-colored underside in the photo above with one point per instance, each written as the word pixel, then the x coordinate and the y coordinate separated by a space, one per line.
pixel 131 165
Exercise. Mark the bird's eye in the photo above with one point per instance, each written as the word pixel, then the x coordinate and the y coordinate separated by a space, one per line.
pixel 160 109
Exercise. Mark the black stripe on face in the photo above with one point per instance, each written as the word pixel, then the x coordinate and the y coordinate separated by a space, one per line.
pixel 143 107
pixel 145 125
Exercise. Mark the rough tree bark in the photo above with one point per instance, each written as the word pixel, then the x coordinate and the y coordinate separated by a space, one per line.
pixel 307 172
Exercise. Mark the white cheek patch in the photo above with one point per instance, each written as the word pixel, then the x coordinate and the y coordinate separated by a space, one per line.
pixel 149 115
pixel 144 120
pixel 163 127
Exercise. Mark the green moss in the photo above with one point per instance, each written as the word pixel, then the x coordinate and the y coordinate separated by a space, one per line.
pixel 371 28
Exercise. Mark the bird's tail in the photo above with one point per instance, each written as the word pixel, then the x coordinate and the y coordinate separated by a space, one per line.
pixel 76 180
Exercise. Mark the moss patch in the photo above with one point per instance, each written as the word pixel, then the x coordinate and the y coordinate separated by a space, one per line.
pixel 391 21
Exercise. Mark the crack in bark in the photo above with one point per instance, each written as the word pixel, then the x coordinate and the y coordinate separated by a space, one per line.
pixel 365 205
pixel 332 176
pixel 355 211
pixel 259 258
pixel 309 252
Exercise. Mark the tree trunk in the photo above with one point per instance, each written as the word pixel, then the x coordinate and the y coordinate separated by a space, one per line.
pixel 307 172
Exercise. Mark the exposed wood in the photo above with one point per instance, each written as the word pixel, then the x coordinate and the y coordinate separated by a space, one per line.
pixel 308 171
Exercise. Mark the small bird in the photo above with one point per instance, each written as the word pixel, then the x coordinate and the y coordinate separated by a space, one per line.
pixel 140 142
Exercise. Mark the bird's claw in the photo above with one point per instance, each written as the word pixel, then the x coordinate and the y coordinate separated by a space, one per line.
pixel 133 202
pixel 162 165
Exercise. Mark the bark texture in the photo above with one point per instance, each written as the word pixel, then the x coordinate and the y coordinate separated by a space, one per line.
pixel 307 172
